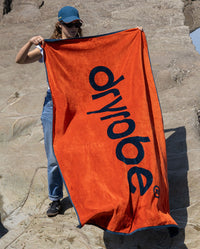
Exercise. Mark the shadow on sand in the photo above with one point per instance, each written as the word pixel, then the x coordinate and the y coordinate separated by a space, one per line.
pixel 178 198
pixel 65 204
pixel 3 230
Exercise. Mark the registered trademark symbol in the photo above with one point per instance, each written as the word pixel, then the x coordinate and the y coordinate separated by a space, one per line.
pixel 156 191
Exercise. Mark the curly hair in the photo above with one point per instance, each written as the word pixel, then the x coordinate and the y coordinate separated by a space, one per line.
pixel 57 33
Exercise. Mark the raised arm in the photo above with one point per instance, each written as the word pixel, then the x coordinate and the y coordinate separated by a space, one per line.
pixel 25 56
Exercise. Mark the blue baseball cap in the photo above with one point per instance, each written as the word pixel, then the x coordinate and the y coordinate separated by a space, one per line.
pixel 68 14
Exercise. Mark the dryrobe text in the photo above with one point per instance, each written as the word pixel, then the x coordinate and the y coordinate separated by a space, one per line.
pixel 123 136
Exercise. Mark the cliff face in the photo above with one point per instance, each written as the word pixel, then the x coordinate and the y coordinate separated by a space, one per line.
pixel 176 68
pixel 191 12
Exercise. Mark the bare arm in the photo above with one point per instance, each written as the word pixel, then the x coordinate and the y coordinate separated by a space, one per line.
pixel 25 56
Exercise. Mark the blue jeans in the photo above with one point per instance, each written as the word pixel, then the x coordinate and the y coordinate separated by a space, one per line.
pixel 55 181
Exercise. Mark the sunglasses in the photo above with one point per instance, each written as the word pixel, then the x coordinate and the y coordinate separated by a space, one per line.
pixel 71 24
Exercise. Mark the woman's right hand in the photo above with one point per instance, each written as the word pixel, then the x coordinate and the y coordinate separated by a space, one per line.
pixel 25 56
pixel 36 40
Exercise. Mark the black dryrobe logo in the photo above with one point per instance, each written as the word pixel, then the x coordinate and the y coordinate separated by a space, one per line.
pixel 122 137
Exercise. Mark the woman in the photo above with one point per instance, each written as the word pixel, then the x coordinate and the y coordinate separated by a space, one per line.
pixel 68 26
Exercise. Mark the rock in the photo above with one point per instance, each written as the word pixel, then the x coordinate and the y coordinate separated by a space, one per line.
pixel 23 183
pixel 191 12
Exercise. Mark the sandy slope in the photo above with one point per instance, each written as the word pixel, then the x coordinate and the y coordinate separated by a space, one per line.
pixel 23 186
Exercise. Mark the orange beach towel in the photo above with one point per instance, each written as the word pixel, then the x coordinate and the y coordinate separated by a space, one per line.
pixel 108 133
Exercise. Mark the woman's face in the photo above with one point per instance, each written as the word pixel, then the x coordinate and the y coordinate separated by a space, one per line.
pixel 70 30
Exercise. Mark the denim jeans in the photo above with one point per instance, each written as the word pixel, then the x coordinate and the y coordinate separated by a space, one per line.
pixel 55 181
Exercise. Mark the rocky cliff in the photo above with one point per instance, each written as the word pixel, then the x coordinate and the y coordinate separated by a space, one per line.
pixel 176 68
pixel 191 11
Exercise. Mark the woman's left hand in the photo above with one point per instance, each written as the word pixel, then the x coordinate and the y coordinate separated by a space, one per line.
pixel 140 28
